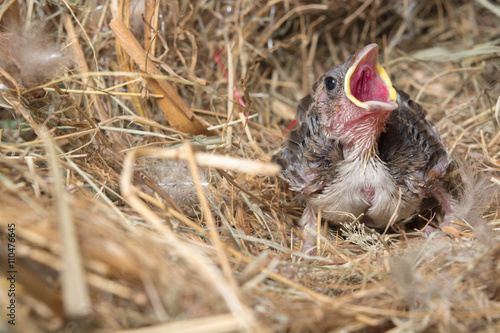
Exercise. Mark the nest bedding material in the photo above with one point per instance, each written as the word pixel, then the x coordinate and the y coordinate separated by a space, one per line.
pixel 135 179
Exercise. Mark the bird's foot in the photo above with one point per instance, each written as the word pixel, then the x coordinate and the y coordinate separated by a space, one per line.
pixel 428 230
pixel 309 221
pixel 309 248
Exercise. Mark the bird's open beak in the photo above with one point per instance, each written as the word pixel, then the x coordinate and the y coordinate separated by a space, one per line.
pixel 367 84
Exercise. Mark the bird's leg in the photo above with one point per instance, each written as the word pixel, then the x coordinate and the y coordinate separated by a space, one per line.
pixel 447 203
pixel 444 198
pixel 309 220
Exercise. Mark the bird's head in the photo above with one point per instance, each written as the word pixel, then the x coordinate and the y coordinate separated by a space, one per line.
pixel 356 98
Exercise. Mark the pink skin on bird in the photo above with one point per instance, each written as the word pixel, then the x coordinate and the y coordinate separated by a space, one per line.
pixel 367 86
pixel 359 126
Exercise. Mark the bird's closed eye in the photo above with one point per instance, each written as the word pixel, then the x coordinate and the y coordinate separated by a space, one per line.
pixel 330 83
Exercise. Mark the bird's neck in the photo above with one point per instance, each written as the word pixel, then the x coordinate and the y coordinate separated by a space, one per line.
pixel 360 137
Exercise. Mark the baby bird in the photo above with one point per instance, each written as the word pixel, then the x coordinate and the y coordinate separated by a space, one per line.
pixel 360 146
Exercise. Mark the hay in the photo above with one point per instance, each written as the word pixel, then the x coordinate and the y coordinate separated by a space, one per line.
pixel 214 84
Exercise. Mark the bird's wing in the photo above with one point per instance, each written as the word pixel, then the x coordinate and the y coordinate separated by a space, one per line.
pixel 411 146
pixel 308 157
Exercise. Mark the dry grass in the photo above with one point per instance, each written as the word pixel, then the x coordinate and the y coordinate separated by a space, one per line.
pixel 112 236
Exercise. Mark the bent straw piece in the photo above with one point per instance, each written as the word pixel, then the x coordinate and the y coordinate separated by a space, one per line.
pixel 209 160
pixel 138 54
pixel 229 293
pixel 176 111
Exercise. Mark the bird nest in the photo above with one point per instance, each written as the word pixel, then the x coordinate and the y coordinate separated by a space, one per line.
pixel 136 189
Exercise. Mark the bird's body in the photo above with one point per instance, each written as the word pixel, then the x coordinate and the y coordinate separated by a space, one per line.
pixel 362 147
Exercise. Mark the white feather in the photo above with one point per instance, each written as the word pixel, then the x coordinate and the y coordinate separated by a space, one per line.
pixel 363 186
